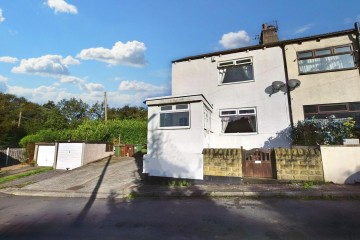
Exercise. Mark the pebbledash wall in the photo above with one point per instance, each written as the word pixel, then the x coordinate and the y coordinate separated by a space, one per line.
pixel 299 164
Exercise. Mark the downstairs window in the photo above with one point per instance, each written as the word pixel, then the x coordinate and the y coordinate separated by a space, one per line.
pixel 241 120
pixel 175 116
pixel 339 110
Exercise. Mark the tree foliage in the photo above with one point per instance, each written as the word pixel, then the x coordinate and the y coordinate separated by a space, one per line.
pixel 19 118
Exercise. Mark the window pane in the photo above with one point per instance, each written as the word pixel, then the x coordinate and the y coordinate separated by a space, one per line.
pixel 322 52
pixel 354 106
pixel 182 106
pixel 228 112
pixel 238 73
pixel 332 108
pixel 175 119
pixel 326 63
pixel 165 108
pixel 310 109
pixel 239 124
pixel 305 54
pixel 224 64
pixel 343 49
pixel 243 61
pixel 246 111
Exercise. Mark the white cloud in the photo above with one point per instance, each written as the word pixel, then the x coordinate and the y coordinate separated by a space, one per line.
pixel 129 54
pixel 48 65
pixel 69 60
pixel 140 86
pixel 1 16
pixel 3 83
pixel 60 6
pixel 81 83
pixel 40 94
pixel 303 29
pixel 235 39
pixel 8 59
pixel 3 79
pixel 94 87
pixel 71 79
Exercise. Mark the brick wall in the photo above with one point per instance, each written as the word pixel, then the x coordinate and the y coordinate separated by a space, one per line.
pixel 299 164
pixel 222 162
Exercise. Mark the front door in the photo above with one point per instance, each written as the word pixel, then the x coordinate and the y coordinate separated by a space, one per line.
pixel 257 163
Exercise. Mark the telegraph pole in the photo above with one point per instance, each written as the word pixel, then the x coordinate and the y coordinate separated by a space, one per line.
pixel 19 121
pixel 105 106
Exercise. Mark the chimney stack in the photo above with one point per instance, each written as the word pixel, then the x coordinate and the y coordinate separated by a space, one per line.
pixel 268 34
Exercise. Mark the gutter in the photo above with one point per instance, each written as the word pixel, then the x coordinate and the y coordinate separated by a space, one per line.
pixel 282 46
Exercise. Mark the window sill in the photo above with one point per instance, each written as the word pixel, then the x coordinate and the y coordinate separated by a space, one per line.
pixel 326 71
pixel 224 84
pixel 174 128
pixel 238 134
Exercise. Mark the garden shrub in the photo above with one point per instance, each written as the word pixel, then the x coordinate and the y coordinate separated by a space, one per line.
pixel 329 131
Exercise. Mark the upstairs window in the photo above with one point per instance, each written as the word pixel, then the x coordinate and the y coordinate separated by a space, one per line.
pixel 326 59
pixel 175 116
pixel 235 71
pixel 241 120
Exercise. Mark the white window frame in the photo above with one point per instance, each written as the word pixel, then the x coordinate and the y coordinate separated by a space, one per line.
pixel 223 65
pixel 221 114
pixel 175 110
pixel 306 57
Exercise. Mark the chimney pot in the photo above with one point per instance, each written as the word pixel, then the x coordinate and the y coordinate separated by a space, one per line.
pixel 264 26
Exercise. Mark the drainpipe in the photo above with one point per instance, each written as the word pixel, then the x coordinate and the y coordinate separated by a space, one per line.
pixel 357 33
pixel 287 85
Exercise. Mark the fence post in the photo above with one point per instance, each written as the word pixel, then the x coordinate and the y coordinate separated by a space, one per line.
pixel 7 156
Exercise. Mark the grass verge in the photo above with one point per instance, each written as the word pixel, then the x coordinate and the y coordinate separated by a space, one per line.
pixel 24 174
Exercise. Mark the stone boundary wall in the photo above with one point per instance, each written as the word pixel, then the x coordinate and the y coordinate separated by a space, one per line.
pixel 299 164
pixel 224 162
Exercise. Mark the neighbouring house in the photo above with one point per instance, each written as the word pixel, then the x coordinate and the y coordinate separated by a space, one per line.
pixel 248 97
pixel 327 66
pixel 220 100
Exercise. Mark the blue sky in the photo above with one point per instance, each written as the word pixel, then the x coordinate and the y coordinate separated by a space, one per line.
pixel 55 49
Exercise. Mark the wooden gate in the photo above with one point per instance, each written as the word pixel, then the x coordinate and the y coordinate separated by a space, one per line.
pixel 257 163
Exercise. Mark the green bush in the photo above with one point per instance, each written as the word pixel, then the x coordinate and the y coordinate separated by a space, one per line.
pixel 330 131
pixel 130 131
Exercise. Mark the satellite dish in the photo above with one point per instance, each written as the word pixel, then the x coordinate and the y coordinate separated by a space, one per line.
pixel 293 83
pixel 277 85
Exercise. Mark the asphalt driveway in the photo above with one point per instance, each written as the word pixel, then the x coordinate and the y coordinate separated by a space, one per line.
pixel 110 177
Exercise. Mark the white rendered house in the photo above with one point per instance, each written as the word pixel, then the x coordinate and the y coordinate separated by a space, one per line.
pixel 220 100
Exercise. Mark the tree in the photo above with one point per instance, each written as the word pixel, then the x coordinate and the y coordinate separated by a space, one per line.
pixel 127 112
pixel 75 111
pixel 96 111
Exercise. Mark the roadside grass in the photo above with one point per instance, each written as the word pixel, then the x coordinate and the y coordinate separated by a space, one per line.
pixel 24 174
pixel 182 183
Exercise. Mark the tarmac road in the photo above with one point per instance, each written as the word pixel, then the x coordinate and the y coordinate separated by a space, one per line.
pixel 23 217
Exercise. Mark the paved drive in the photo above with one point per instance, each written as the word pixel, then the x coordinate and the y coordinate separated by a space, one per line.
pixel 112 176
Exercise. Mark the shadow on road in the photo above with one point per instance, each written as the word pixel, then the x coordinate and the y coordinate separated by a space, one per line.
pixel 80 218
